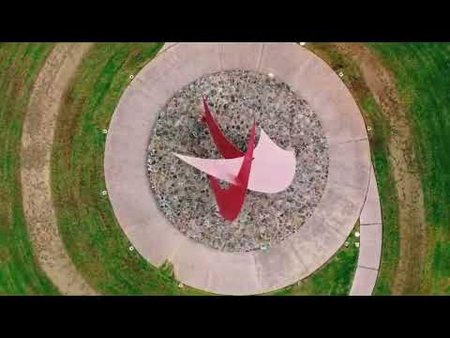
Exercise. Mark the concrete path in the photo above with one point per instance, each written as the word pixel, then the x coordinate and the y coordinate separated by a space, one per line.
pixel 37 138
pixel 370 243
pixel 195 264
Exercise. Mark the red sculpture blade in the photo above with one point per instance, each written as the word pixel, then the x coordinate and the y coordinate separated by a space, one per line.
pixel 225 147
pixel 231 200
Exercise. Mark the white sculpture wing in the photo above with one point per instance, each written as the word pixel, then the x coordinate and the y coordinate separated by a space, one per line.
pixel 273 168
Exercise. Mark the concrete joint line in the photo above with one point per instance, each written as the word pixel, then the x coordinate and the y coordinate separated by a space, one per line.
pixel 256 273
pixel 219 53
pixel 369 224
pixel 261 51
pixel 349 141
pixel 366 267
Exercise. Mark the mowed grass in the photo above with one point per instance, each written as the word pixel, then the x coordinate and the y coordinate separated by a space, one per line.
pixel 19 271
pixel 91 234
pixel 422 71
pixel 379 140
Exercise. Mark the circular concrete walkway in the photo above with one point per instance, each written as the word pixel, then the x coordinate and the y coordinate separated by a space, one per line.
pixel 237 273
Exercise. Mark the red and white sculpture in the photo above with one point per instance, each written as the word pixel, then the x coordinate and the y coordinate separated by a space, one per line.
pixel 265 168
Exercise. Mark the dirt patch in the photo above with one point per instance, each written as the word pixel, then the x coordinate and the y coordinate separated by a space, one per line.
pixel 410 271
pixel 37 139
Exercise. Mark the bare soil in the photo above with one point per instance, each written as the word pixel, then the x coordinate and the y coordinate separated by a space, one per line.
pixel 37 139
pixel 380 81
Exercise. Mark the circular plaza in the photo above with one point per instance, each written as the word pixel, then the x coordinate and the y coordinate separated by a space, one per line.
pixel 166 208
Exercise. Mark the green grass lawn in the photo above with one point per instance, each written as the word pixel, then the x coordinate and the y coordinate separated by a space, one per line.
pixel 378 138
pixel 422 71
pixel 19 271
pixel 388 195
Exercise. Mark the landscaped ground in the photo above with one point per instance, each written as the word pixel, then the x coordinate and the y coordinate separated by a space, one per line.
pixel 411 134
pixel 19 273
pixel 402 89
pixel 421 71
pixel 89 229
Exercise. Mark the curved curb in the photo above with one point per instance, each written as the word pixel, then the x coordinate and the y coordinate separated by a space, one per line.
pixel 369 258
pixel 195 264
pixel 37 138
